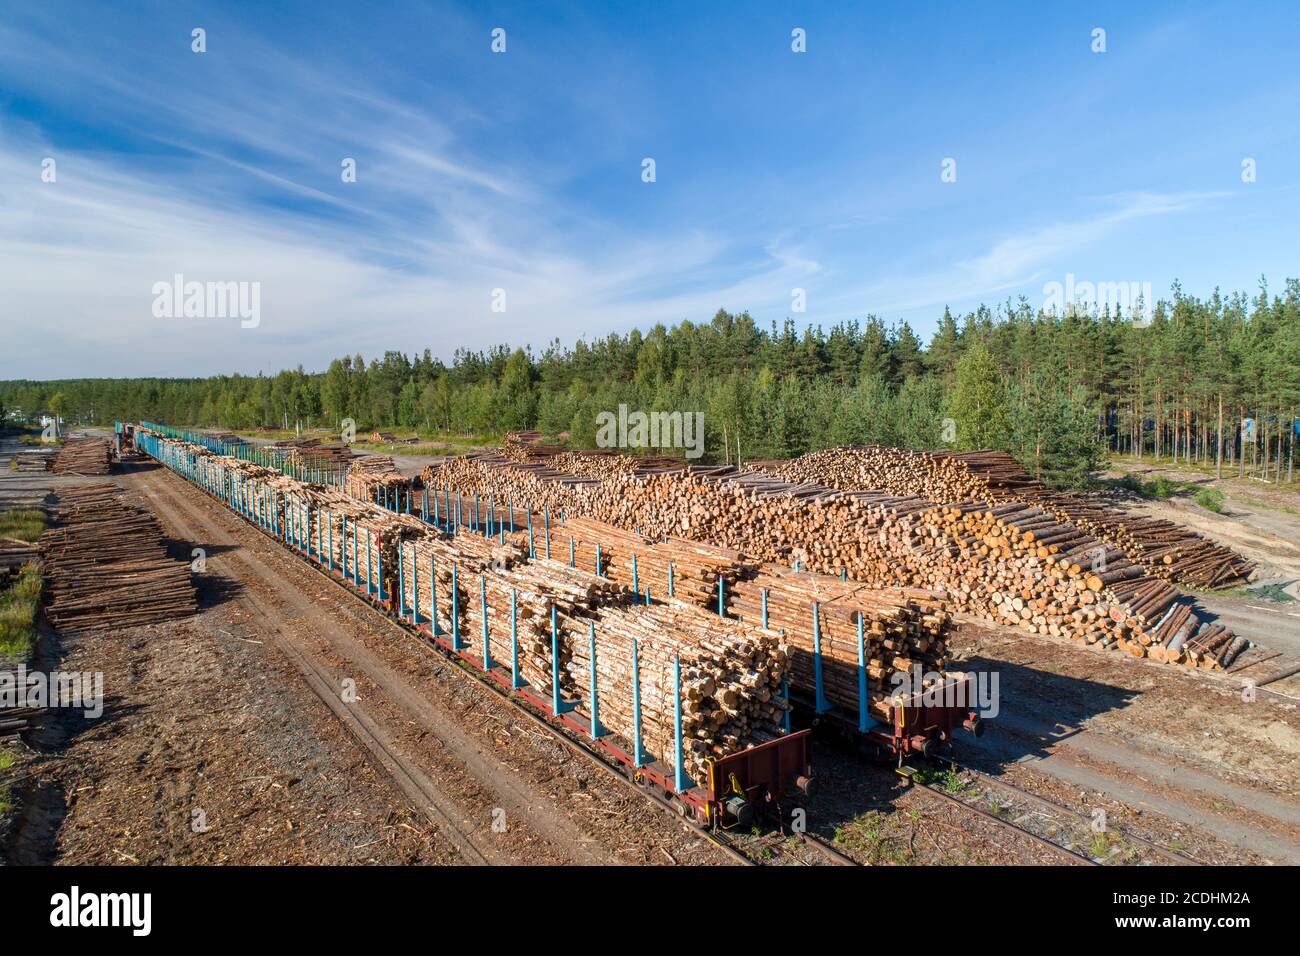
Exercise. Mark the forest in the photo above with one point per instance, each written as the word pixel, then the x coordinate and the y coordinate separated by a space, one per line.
pixel 1211 381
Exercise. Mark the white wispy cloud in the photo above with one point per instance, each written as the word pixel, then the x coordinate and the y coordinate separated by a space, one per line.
pixel 1012 263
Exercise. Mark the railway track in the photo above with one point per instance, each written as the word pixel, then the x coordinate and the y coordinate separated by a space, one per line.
pixel 744 849
pixel 414 785
pixel 1115 848
pixel 1010 825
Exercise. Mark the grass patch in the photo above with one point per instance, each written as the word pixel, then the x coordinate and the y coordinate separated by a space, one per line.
pixel 949 781
pixel 876 837
pixel 7 760
pixel 1160 487
pixel 18 607
pixel 1211 499
pixel 25 524
pixel 1100 848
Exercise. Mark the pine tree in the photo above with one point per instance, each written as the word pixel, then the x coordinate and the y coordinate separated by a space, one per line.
pixel 978 404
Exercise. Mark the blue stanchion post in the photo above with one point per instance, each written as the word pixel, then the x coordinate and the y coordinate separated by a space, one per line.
pixel 433 597
pixel 356 556
pixel 415 587
pixel 862 677
pixel 595 698
pixel 546 526
pixel 764 608
pixel 638 752
pixel 671 592
pixel 369 568
pixel 487 650
pixel 785 695
pixel 555 666
pixel 455 611
pixel 821 704
pixel 401 579
pixel 722 597
pixel 515 683
pixel 636 587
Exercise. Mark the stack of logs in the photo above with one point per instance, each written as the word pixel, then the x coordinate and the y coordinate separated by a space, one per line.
pixel 84 456
pixel 697 569
pixel 371 472
pixel 731 679
pixel 313 457
pixel 106 565
pixel 32 461
pixel 592 463
pixel 1164 548
pixel 902 629
pixel 881 540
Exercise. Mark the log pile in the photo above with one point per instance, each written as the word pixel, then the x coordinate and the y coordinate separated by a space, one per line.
pixel 731 679
pixel 527 446
pixel 32 461
pixel 1009 563
pixel 106 565
pixel 537 587
pixel 15 720
pixel 370 472
pixel 84 456
pixel 902 629
pixel 1166 549
pixel 697 569
pixel 543 488
pixel 14 554
pixel 313 457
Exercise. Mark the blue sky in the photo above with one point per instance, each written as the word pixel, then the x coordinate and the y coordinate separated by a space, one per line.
pixel 521 171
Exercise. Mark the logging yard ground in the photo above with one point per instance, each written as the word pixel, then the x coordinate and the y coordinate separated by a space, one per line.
pixel 223 740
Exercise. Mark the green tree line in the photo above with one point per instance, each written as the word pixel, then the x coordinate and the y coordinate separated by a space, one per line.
pixel 1057 391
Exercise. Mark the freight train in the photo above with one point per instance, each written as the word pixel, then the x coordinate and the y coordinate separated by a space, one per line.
pixel 765 781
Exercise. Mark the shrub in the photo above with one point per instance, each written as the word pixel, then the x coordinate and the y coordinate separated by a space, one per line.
pixel 1211 499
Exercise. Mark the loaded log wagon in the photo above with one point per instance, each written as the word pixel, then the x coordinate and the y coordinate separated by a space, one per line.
pixel 846 639
pixel 924 723
pixel 690 705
